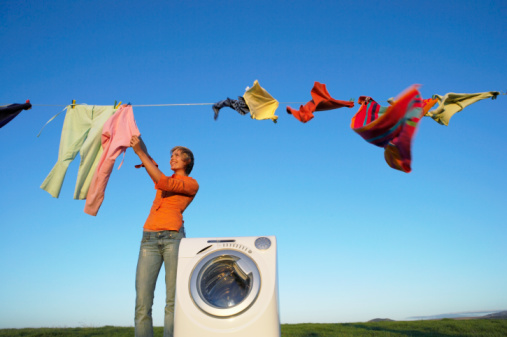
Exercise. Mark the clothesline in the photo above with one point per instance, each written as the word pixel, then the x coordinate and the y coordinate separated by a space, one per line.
pixel 169 104
pixel 152 105
pixel 133 105
pixel 389 127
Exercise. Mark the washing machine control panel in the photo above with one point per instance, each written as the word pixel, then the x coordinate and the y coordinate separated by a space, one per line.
pixel 261 243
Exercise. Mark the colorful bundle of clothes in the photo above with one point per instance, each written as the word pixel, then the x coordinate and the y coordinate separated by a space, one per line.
pixel 392 127
pixel 101 133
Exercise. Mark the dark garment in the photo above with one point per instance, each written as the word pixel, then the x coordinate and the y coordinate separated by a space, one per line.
pixel 239 105
pixel 9 112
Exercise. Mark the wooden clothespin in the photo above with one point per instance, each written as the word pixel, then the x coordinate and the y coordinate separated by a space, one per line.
pixel 73 103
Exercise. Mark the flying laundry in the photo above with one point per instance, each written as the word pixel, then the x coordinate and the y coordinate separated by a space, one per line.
pixel 239 105
pixel 116 135
pixel 255 100
pixel 9 112
pixel 321 101
pixel 397 152
pixel 452 103
pixel 81 132
pixel 392 127
pixel 261 104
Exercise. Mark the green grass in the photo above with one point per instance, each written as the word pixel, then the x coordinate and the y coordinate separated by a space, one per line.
pixel 440 328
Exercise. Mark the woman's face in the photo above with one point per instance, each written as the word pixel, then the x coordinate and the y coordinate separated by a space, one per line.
pixel 177 162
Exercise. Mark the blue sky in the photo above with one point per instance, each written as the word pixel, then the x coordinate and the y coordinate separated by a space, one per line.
pixel 356 239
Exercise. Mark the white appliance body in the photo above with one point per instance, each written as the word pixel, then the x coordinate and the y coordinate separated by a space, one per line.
pixel 227 287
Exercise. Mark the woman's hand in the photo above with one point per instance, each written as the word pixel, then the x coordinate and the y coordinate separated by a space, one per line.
pixel 137 144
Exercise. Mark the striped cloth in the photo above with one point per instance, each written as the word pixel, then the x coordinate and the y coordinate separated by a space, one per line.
pixel 392 127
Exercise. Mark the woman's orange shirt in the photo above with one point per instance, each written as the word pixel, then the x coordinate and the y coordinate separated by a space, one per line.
pixel 173 196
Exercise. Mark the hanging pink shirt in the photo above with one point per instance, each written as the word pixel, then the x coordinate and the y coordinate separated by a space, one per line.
pixel 116 134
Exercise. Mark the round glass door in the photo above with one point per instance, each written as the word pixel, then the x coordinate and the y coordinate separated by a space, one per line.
pixel 225 283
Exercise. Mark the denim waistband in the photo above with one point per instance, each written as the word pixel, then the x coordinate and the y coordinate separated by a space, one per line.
pixel 159 234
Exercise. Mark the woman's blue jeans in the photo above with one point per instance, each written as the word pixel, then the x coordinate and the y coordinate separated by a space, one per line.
pixel 156 248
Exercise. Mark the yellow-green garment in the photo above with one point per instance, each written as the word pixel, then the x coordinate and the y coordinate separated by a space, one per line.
pixel 261 104
pixel 81 133
pixel 452 103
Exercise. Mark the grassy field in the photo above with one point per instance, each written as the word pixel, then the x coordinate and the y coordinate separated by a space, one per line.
pixel 439 328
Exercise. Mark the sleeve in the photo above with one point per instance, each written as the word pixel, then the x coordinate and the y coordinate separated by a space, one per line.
pixel 142 165
pixel 187 186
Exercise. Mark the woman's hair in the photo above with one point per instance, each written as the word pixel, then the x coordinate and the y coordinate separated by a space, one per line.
pixel 188 157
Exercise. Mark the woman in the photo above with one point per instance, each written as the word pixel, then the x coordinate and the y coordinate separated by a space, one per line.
pixel 162 233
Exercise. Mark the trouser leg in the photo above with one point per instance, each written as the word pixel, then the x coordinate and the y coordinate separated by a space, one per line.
pixel 91 150
pixel 75 129
pixel 171 264
pixel 148 268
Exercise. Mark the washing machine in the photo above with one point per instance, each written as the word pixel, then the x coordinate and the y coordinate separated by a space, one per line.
pixel 227 287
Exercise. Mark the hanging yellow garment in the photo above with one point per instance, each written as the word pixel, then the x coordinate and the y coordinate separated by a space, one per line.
pixel 452 103
pixel 261 104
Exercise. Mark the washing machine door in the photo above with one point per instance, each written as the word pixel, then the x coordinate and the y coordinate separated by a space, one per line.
pixel 225 283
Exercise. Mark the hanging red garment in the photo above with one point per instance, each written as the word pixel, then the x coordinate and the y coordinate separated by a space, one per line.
pixel 398 151
pixel 392 127
pixel 321 101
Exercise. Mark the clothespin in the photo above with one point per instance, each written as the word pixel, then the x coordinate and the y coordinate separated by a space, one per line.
pixel 28 102
pixel 73 103
pixel 116 105
pixel 363 100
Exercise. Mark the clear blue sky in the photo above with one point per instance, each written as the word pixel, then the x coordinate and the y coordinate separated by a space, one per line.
pixel 356 239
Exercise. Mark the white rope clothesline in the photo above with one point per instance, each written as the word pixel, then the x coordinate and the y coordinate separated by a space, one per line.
pixel 156 105
pixel 148 105
pixel 176 104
